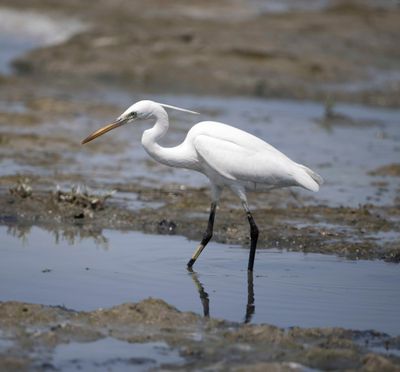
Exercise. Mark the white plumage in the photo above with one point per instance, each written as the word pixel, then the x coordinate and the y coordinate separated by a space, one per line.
pixel 228 156
pixel 241 157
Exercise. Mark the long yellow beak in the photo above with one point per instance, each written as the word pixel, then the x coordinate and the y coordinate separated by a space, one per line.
pixel 103 130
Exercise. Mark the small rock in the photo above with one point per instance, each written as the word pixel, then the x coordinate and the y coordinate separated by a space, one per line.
pixel 166 227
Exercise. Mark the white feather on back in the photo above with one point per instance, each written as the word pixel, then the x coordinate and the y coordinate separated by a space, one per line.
pixel 238 155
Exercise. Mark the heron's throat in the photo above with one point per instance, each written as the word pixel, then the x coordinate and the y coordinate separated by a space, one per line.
pixel 156 132
pixel 150 138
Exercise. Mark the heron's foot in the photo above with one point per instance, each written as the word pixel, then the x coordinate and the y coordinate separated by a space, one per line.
pixel 190 264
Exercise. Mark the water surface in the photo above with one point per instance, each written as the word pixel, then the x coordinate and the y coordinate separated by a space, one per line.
pixel 114 355
pixel 22 31
pixel 289 289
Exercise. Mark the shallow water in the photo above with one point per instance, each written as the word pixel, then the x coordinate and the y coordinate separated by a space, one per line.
pixel 114 354
pixel 289 289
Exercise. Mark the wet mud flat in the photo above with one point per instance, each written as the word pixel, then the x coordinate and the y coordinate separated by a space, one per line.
pixel 39 337
pixel 340 50
pixel 113 54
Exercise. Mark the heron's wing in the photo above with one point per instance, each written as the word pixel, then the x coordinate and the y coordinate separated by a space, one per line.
pixel 246 163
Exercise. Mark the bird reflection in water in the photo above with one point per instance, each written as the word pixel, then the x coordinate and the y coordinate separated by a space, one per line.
pixel 205 301
pixel 202 293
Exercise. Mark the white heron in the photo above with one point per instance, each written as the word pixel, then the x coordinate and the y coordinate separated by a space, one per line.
pixel 228 156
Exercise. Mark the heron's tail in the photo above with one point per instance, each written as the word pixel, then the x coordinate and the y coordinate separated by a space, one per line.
pixel 308 178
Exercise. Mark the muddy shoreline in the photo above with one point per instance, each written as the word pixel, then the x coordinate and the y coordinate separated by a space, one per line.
pixel 342 52
pixel 202 343
pixel 348 232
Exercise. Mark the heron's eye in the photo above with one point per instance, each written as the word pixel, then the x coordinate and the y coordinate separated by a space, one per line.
pixel 133 114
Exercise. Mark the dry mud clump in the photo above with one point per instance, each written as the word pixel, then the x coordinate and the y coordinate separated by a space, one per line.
pixel 34 331
pixel 387 170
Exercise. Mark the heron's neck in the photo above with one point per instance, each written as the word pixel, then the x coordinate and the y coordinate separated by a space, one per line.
pixel 159 129
pixel 151 136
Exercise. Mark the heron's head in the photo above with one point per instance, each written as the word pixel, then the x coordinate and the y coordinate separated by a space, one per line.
pixel 140 110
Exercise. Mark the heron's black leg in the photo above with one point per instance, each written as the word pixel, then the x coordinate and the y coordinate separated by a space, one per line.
pixel 206 237
pixel 250 308
pixel 253 237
